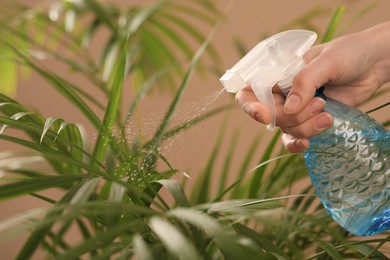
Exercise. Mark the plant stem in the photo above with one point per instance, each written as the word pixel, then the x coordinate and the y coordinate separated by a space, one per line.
pixel 113 106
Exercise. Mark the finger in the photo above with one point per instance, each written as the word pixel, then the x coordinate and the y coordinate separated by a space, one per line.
pixel 320 70
pixel 283 120
pixel 294 145
pixel 312 53
pixel 311 127
pixel 249 103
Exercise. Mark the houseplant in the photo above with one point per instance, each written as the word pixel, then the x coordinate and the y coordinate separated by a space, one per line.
pixel 109 190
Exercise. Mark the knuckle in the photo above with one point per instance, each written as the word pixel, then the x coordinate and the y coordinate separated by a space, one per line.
pixel 299 80
pixel 250 109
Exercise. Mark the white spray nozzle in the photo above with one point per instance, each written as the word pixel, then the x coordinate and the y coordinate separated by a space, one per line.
pixel 275 60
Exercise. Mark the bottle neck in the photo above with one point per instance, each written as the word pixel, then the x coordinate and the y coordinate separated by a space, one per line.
pixel 320 93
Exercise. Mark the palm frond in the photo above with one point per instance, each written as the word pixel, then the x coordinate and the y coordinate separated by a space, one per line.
pixel 112 190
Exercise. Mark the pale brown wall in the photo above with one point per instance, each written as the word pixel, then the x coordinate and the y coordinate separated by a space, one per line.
pixel 247 20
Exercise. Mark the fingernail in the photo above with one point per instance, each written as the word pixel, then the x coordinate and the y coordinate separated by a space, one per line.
pixel 262 118
pixel 259 118
pixel 302 144
pixel 292 104
pixel 299 144
pixel 323 121
pixel 316 106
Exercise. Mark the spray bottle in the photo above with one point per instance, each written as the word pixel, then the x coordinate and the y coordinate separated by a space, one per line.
pixel 349 163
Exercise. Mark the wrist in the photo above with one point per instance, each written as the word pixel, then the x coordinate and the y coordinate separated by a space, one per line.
pixel 379 43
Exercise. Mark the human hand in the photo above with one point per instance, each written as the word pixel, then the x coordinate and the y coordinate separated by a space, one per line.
pixel 351 68
pixel 297 128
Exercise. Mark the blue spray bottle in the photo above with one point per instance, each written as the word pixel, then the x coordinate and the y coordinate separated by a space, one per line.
pixel 349 163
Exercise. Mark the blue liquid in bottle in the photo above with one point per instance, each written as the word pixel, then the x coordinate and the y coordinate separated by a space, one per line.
pixel 349 166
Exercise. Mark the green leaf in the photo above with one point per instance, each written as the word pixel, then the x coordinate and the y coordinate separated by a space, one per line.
pixel 87 34
pixel 46 127
pixel 67 90
pixel 205 14
pixel 244 204
pixel 141 249
pixel 176 242
pixel 330 249
pixel 36 184
pixel 198 219
pixel 38 235
pixel 12 161
pixel 69 143
pixel 142 16
pixel 116 86
pixel 117 192
pixel 176 191
pixel 85 191
pixel 101 12
pixel 370 252
pixel 287 166
pixel 264 242
pixel 255 182
pixel 51 153
pixel 377 108
pixel 157 55
pixel 173 37
pixel 358 15
pixel 15 117
pixel 20 223
pixel 65 87
pixel 8 71
pixel 109 60
pixel 334 23
pixel 231 246
pixel 70 20
pixel 101 240
pixel 62 127
pixel 187 27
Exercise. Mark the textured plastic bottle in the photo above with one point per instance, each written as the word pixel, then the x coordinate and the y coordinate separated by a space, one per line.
pixel 349 164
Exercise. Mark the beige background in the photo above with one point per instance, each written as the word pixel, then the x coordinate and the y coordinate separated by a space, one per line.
pixel 248 20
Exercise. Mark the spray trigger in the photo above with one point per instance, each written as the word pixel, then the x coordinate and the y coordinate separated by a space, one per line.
pixel 275 60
